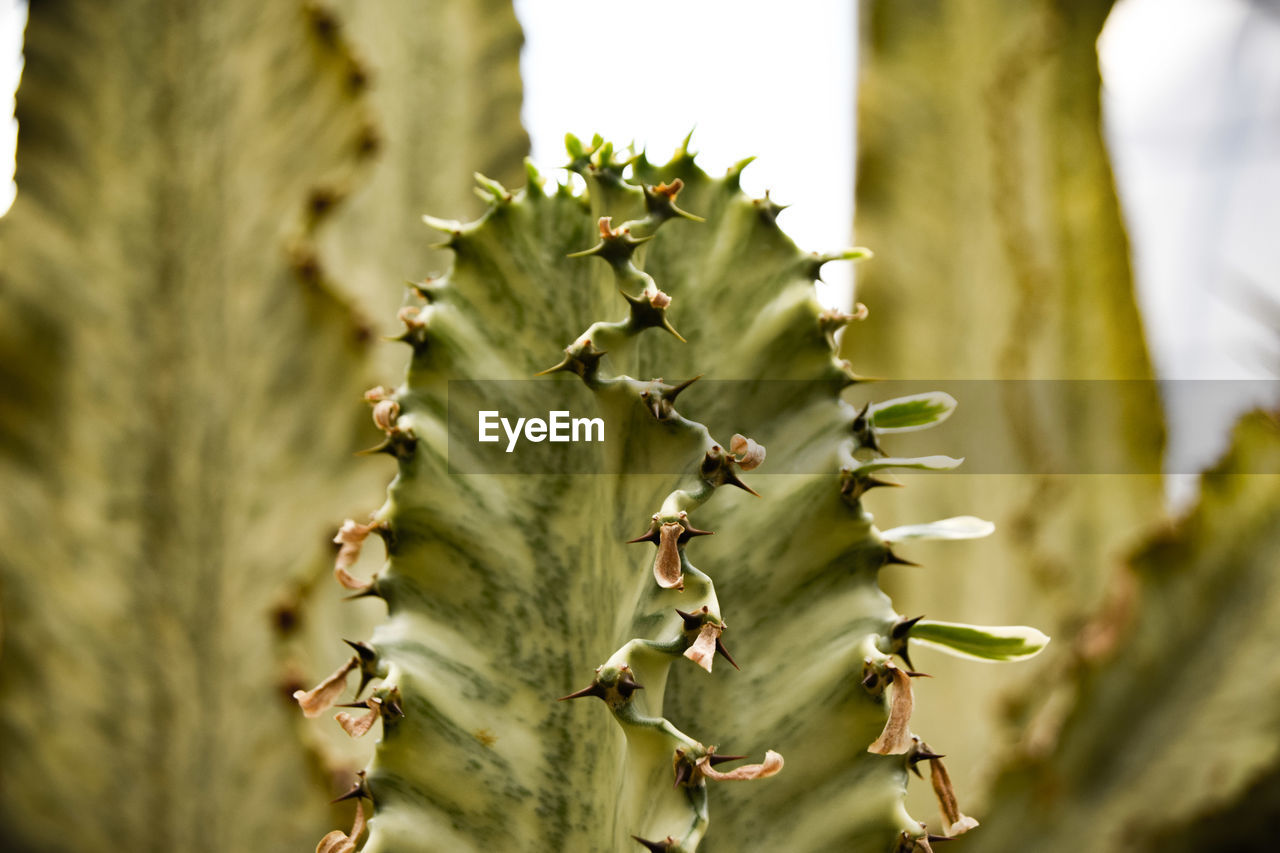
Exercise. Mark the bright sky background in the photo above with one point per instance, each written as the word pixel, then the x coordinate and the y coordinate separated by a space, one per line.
pixel 13 17
pixel 1192 102
pixel 749 77
pixel 1193 109
pixel 1192 98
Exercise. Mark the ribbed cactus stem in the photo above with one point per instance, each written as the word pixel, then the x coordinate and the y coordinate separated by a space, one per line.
pixel 503 591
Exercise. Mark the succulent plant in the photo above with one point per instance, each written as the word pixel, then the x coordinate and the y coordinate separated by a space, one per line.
pixel 177 300
pixel 508 591
pixel 1146 726
pixel 994 215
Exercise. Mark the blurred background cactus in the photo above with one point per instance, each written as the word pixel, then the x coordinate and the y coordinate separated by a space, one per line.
pixel 215 205
pixel 214 210
pixel 985 189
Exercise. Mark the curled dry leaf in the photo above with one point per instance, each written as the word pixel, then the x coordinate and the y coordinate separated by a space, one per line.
pixel 956 822
pixel 359 726
pixel 666 566
pixel 411 316
pixel 320 698
pixel 671 190
pixel 338 841
pixel 771 765
pixel 350 581
pixel 703 650
pixel 896 737
pixel 350 537
pixel 749 453
pixel 385 413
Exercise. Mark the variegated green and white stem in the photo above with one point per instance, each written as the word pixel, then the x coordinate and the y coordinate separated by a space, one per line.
pixel 503 590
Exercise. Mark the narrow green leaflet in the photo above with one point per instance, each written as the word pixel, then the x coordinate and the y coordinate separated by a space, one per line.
pixel 959 527
pixel 1001 643
pixel 923 463
pixel 916 412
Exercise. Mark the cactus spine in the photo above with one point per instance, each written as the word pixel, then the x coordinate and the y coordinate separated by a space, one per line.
pixel 504 593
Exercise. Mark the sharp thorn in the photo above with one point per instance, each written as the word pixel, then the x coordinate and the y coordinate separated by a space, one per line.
pixel 676 389
pixel 732 479
pixel 563 365
pixel 692 621
pixel 892 559
pixel 903 627
pixel 369 592
pixel 723 652
pixel 382 447
pixel 869 483
pixel 354 793
pixel 359 789
pixel 683 774
pixel 364 650
pixel 627 683
pixel 592 689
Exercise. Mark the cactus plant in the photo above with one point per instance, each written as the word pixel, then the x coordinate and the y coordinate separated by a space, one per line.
pixel 985 187
pixel 175 307
pixel 506 593
pixel 1175 701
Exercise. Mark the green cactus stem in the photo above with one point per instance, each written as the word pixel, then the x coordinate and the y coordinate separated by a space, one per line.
pixel 1175 692
pixel 505 593
pixel 211 197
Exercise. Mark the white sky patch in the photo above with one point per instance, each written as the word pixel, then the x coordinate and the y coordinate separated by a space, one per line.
pixel 13 19
pixel 749 77
pixel 1192 107
pixel 1191 97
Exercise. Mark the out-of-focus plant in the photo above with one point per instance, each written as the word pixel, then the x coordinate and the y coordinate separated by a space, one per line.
pixel 183 316
pixel 985 187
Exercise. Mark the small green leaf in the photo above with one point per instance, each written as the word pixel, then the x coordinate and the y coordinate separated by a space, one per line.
pixel 451 226
pixel 960 527
pixel 857 253
pixel 907 414
pixel 927 463
pixel 491 190
pixel 1002 643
